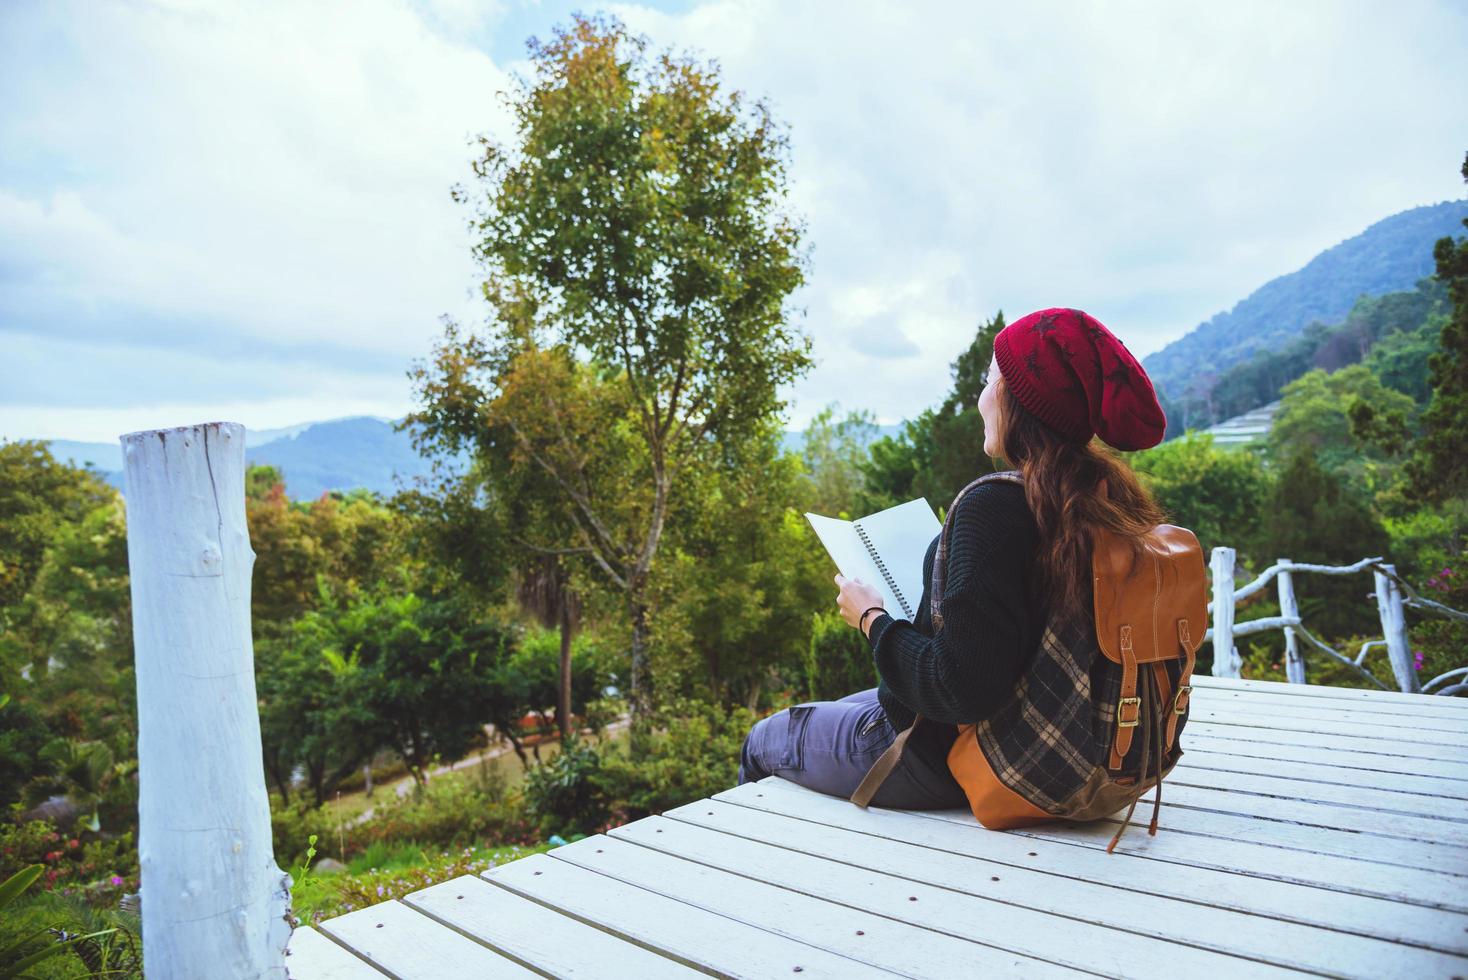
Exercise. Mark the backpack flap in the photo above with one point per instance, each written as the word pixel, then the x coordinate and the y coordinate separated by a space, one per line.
pixel 1149 611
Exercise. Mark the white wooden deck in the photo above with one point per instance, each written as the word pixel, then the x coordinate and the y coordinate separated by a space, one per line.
pixel 1306 830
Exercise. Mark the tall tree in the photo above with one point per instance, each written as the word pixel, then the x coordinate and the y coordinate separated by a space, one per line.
pixel 1439 468
pixel 637 225
pixel 941 450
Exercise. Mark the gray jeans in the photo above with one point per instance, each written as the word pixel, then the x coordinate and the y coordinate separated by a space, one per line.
pixel 828 746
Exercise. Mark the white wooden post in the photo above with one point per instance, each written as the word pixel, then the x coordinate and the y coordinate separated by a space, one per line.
pixel 1290 609
pixel 214 904
pixel 1394 628
pixel 1226 659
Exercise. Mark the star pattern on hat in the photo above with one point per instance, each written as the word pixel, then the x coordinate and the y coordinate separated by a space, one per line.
pixel 1032 362
pixel 1120 376
pixel 1045 324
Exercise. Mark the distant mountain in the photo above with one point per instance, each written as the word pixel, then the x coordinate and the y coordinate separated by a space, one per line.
pixel 341 454
pixel 1389 256
pixel 316 457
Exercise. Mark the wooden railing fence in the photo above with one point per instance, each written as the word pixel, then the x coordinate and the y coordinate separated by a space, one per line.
pixel 1393 597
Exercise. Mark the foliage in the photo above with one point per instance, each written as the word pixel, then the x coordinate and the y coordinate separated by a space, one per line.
pixel 638 222
pixel 838 660
pixel 1315 417
pixel 1215 492
pixel 941 450
pixel 563 793
pixel 96 868
pixel 1389 256
pixel 110 951
pixel 1372 321
pixel 693 753
pixel 1400 359
pixel 1313 516
pixel 383 874
pixel 833 452
pixel 1439 466
pixel 732 597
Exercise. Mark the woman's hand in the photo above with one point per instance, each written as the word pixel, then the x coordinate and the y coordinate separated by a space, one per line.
pixel 855 598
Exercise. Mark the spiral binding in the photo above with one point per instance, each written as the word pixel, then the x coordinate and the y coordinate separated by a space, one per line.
pixel 881 567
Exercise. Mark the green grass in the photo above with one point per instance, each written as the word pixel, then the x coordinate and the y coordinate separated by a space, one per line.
pixel 386 872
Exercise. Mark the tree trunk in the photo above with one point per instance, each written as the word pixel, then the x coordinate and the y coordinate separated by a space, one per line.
pixel 217 903
pixel 640 697
pixel 563 692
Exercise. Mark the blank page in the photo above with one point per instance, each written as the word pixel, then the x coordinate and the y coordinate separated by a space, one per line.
pixel 901 535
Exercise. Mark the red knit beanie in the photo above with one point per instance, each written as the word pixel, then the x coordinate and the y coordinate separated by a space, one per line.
pixel 1077 378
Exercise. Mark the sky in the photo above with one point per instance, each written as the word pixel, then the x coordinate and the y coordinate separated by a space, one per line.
pixel 242 210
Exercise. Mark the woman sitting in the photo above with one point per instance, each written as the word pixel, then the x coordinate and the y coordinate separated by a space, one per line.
pixel 1017 551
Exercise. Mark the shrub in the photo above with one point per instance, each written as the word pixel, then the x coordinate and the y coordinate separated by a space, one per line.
pixel 94 868
pixel 567 793
pixel 692 752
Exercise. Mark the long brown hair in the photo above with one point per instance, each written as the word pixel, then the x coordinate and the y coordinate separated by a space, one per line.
pixel 1074 490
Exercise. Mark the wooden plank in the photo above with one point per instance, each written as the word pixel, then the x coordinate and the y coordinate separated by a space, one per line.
pixel 1320 766
pixel 1287 787
pixel 311 956
pixel 1221 852
pixel 1442 842
pixel 1200 820
pixel 1333 898
pixel 1253 700
pixel 798 854
pixel 893 929
pixel 1346 744
pixel 1426 775
pixel 1330 693
pixel 1336 722
pixel 1371 722
pixel 539 937
pixel 692 935
pixel 405 943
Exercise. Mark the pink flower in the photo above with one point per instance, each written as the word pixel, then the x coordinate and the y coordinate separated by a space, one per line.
pixel 1416 659
pixel 115 880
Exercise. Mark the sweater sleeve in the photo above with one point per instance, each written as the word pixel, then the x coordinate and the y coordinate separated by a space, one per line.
pixel 964 671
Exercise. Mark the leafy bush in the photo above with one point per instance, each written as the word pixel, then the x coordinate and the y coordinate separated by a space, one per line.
pixel 566 793
pixel 838 661
pixel 94 868
pixel 692 751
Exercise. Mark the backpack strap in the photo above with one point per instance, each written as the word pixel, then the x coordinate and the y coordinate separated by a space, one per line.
pixel 1184 688
pixel 883 767
pixel 1129 708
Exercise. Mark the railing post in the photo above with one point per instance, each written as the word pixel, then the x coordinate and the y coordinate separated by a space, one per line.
pixel 1226 660
pixel 1294 662
pixel 1394 628
pixel 214 904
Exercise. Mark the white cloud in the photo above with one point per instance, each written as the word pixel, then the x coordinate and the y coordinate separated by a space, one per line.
pixel 183 183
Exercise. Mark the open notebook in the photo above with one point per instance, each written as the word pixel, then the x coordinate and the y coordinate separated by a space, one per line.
pixel 884 550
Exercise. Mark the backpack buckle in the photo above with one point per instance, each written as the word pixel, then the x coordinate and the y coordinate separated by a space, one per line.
pixel 1180 700
pixel 1135 719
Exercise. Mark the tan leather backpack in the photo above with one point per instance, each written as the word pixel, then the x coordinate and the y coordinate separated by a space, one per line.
pixel 1065 745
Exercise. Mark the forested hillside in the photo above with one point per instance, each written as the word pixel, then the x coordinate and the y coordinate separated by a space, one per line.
pixel 1390 256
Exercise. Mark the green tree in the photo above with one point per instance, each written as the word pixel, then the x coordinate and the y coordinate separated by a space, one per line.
pixel 421 674
pixel 638 223
pixel 1215 492
pixel 940 451
pixel 743 572
pixel 1315 418
pixel 1439 467
pixel 1312 515
pixel 833 451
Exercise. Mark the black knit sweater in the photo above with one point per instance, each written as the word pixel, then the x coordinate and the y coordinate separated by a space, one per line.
pixel 992 622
